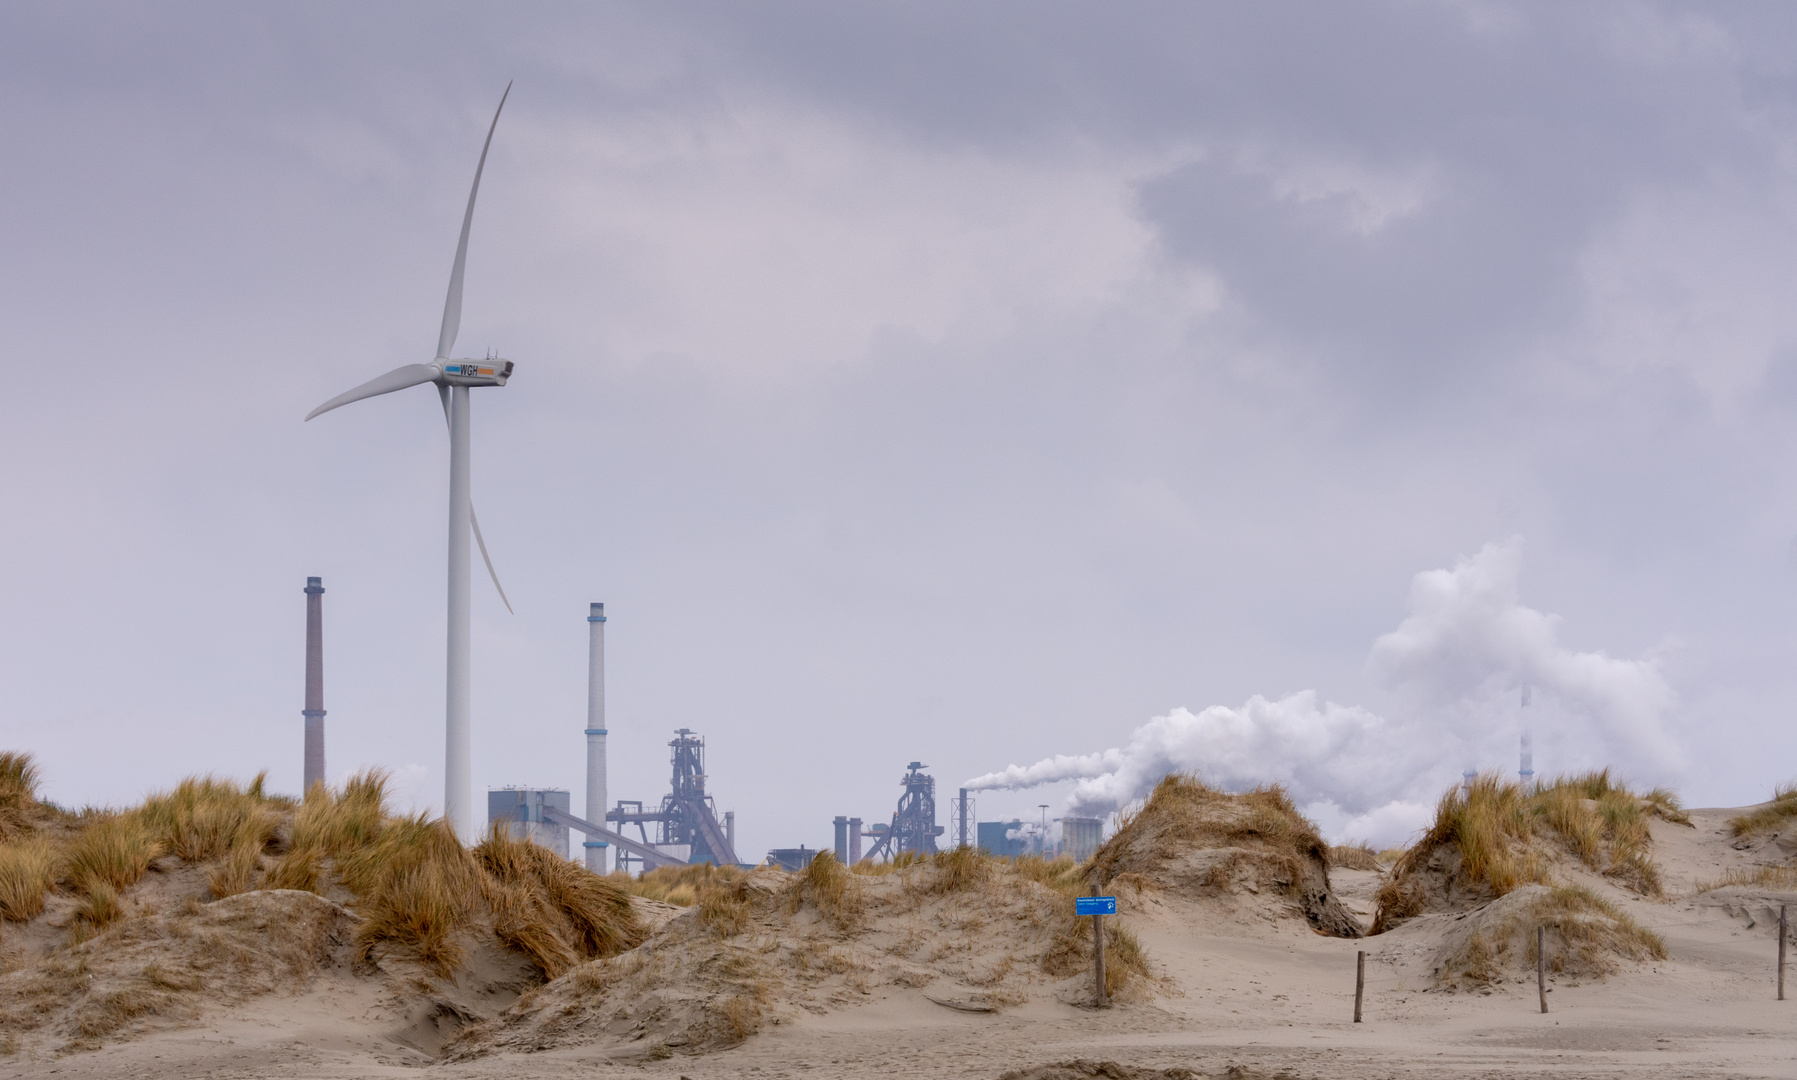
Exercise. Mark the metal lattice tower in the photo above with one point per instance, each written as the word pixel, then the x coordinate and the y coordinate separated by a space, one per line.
pixel 687 814
pixel 961 817
pixel 913 825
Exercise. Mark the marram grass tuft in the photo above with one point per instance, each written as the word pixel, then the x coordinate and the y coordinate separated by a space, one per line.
pixel 1781 809
pixel 1504 834
pixel 27 873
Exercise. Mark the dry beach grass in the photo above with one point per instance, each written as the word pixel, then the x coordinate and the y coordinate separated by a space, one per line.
pixel 1586 935
pixel 1772 815
pixel 403 948
pixel 1188 835
pixel 1492 835
pixel 413 890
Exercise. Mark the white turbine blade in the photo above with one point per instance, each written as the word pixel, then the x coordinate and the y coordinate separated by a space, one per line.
pixel 443 396
pixel 482 544
pixel 452 305
pixel 397 379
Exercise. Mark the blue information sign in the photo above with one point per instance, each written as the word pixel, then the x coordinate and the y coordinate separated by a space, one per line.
pixel 1095 905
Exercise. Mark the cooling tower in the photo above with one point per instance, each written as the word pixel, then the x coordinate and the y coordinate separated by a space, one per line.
pixel 1081 836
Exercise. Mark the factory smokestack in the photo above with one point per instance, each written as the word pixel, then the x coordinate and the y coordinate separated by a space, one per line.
pixel 314 710
pixel 1527 771
pixel 961 820
pixel 595 732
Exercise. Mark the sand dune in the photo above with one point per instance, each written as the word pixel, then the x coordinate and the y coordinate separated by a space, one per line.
pixel 927 980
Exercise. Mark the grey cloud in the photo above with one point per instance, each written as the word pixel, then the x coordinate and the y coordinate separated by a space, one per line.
pixel 961 383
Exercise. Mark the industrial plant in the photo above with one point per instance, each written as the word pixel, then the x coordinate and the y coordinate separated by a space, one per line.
pixel 686 822
pixel 685 827
pixel 688 829
pixel 913 829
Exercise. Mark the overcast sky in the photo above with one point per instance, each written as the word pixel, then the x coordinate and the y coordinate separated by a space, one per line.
pixel 966 383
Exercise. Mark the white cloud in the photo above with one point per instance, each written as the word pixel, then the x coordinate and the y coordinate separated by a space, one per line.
pixel 1365 198
pixel 1691 280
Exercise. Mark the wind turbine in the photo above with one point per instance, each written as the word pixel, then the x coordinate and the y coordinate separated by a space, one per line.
pixel 453 379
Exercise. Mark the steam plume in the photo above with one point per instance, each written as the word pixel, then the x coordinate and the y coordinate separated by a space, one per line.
pixel 1466 645
pixel 1468 640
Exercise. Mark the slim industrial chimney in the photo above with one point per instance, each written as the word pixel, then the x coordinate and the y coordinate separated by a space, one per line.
pixel 314 710
pixel 1527 771
pixel 595 849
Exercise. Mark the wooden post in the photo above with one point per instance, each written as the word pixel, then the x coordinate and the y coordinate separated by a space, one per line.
pixel 1541 965
pixel 1781 952
pixel 1098 952
pixel 1359 982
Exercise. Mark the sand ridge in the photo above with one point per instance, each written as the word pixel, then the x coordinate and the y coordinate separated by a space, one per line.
pixel 1235 989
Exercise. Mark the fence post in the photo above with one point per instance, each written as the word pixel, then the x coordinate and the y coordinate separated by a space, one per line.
pixel 1098 952
pixel 1541 965
pixel 1781 952
pixel 1359 982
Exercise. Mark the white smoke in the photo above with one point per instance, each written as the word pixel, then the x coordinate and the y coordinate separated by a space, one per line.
pixel 1468 640
pixel 1049 770
pixel 1466 643
pixel 1330 748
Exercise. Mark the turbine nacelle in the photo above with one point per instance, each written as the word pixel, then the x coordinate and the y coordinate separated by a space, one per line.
pixel 490 372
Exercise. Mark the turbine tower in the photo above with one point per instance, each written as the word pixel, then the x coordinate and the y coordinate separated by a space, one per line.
pixel 453 379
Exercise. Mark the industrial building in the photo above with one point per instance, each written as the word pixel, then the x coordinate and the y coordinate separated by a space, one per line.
pixel 522 811
pixel 913 826
pixel 1080 837
pixel 1003 839
pixel 687 828
pixel 793 859
pixel 687 825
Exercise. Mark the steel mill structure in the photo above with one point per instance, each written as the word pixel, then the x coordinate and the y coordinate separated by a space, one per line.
pixel 595 732
pixel 913 825
pixel 314 710
pixel 687 825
